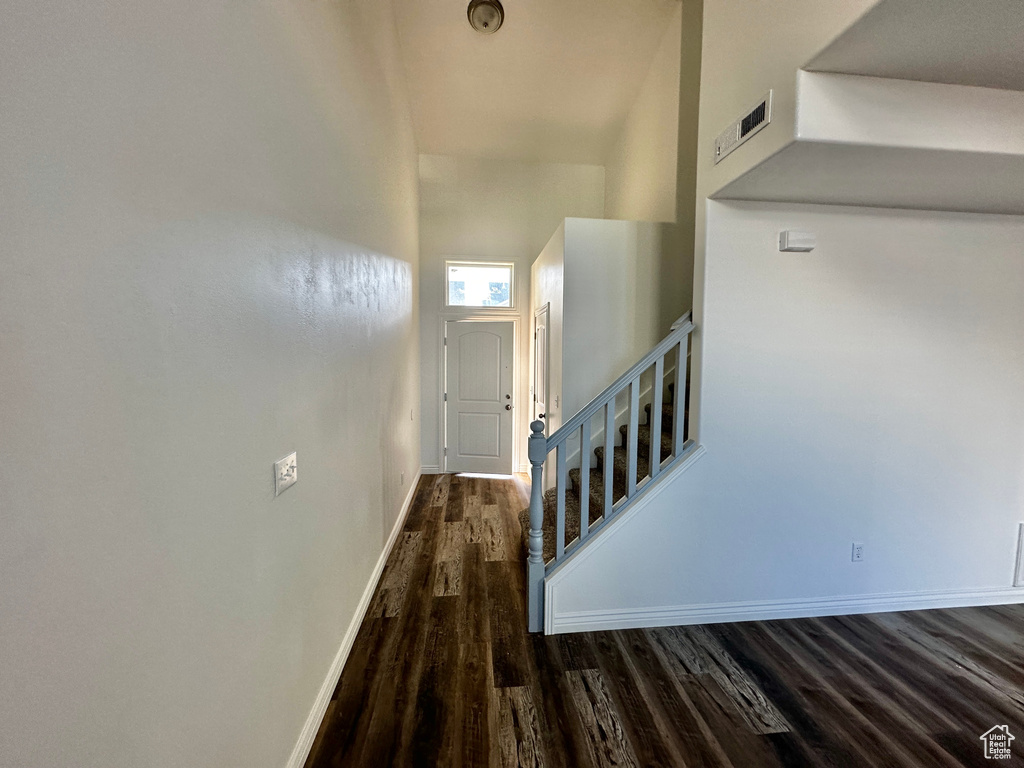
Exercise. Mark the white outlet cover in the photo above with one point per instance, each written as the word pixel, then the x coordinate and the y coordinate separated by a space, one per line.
pixel 286 472
pixel 857 553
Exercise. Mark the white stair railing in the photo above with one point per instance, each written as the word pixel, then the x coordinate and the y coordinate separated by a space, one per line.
pixel 614 499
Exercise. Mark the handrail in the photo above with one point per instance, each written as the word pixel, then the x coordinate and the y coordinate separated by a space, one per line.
pixel 682 319
pixel 588 410
pixel 607 473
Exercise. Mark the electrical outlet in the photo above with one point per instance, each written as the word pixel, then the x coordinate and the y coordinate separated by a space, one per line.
pixel 286 472
pixel 857 555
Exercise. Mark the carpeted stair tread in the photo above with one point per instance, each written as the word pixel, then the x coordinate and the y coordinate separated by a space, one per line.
pixel 620 463
pixel 667 411
pixel 643 441
pixel 596 487
pixel 597 484
pixel 572 520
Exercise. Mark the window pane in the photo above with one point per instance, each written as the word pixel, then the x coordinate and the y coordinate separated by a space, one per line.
pixel 479 286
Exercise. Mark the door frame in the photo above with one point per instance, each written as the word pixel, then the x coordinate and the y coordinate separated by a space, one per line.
pixel 545 308
pixel 504 316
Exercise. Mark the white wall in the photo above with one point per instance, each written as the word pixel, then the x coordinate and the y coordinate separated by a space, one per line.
pixel 875 111
pixel 547 284
pixel 494 210
pixel 896 144
pixel 745 51
pixel 209 261
pixel 748 49
pixel 610 317
pixel 640 170
pixel 869 391
pixel 599 277
pixel 866 392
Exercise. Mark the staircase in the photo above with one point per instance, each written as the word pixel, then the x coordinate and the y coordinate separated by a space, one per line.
pixel 585 499
pixel 620 463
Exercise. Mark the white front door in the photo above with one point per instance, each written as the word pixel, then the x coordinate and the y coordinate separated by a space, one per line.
pixel 478 396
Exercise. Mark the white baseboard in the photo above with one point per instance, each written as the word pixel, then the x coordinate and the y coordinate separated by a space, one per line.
pixel 524 469
pixel 323 698
pixel 430 469
pixel 716 613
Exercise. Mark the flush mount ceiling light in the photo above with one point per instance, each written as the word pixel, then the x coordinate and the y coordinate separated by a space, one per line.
pixel 485 16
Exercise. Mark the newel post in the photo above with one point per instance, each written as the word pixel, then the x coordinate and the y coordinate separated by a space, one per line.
pixel 538 452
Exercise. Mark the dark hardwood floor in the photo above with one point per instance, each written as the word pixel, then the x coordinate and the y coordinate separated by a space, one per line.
pixel 443 672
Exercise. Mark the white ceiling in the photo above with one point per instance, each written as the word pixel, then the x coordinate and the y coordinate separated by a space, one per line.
pixel 553 84
pixel 960 42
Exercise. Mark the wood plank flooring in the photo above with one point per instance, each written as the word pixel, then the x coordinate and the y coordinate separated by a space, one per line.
pixel 443 672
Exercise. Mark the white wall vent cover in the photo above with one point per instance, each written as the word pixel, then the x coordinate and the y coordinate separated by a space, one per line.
pixel 744 127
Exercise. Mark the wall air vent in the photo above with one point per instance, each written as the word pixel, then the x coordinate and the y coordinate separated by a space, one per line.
pixel 744 127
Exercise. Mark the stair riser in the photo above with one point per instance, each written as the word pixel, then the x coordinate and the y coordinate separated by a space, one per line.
pixel 596 495
pixel 643 446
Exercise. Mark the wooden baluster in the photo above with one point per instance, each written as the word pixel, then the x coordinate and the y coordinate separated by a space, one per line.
pixel 655 423
pixel 679 399
pixel 584 480
pixel 631 434
pixel 538 452
pixel 560 480
pixel 609 456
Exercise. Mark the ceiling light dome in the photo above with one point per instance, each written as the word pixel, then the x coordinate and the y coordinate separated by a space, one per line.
pixel 485 16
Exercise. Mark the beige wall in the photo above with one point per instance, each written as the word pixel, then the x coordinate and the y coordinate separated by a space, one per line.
pixel 495 210
pixel 683 238
pixel 651 170
pixel 209 261
pixel 640 170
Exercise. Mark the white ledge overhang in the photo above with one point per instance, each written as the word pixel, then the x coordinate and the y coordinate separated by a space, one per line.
pixel 896 144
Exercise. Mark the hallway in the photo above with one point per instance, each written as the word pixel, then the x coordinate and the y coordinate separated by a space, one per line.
pixel 443 672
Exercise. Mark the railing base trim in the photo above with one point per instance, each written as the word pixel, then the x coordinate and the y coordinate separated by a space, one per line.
pixel 690 456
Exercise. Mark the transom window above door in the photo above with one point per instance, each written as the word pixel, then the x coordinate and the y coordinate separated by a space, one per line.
pixel 479 284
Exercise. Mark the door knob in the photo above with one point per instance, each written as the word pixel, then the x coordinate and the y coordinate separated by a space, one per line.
pixel 508 407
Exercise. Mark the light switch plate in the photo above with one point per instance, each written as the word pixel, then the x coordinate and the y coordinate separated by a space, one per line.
pixel 286 472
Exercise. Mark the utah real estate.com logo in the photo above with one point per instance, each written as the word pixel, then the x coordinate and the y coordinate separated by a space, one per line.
pixel 997 742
